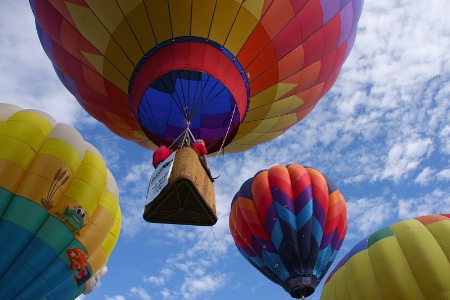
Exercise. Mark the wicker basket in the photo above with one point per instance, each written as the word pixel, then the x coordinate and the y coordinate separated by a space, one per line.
pixel 189 197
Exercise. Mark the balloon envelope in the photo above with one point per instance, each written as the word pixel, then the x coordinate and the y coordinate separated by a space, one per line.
pixel 289 222
pixel 59 210
pixel 407 260
pixel 236 72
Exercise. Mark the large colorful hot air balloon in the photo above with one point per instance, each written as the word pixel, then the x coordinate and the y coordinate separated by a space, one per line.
pixel 235 72
pixel 289 222
pixel 407 260
pixel 59 210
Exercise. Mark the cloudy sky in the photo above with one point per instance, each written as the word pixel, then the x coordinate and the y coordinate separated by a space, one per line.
pixel 382 133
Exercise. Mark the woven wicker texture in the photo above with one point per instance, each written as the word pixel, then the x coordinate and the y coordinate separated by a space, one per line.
pixel 189 197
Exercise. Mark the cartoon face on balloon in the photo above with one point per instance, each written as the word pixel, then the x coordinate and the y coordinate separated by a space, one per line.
pixel 78 259
pixel 74 217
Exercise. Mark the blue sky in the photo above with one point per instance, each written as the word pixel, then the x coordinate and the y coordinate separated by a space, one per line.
pixel 382 134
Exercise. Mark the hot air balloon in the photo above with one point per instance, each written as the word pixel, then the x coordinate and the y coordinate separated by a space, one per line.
pixel 407 260
pixel 233 73
pixel 289 223
pixel 59 211
pixel 236 73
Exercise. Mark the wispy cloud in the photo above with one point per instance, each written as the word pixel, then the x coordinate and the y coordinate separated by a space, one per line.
pixel 443 175
pixel 117 297
pixel 198 285
pixel 406 156
pixel 425 177
pixel 140 292
pixel 27 78
pixel 165 275
pixel 368 214
pixel 438 201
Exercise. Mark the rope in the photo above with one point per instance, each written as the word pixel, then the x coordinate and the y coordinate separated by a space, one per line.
pixel 224 139
pixel 217 241
pixel 187 135
pixel 192 136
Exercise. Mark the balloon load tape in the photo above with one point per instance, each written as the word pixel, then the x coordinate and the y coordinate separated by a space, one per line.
pixel 188 198
pixel 302 285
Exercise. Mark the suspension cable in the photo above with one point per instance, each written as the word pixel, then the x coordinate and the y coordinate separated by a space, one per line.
pixel 176 140
pixel 225 137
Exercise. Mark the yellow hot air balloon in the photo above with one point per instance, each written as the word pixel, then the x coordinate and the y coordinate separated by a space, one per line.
pixel 59 210
pixel 407 260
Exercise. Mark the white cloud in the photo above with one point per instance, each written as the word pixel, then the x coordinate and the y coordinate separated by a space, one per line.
pixel 165 275
pixel 368 215
pixel 444 135
pixel 438 201
pixel 425 176
pixel 166 294
pixel 444 175
pixel 140 292
pixel 27 78
pixel 117 297
pixel 193 287
pixel 405 157
pixel 139 173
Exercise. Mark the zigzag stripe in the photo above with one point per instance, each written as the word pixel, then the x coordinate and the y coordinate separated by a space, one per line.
pixel 303 198
pixel 296 222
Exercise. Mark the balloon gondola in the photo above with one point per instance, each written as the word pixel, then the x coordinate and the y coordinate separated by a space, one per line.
pixel 181 192
pixel 289 223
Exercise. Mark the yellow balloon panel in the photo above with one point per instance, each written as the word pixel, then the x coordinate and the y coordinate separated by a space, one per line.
pixel 158 13
pixel 111 239
pixel 180 16
pixel 140 24
pixel 202 14
pixel 223 19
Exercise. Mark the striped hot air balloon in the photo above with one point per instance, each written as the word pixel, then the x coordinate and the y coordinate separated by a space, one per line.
pixel 59 210
pixel 289 222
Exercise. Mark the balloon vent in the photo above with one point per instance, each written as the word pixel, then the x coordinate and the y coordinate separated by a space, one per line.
pixel 188 198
